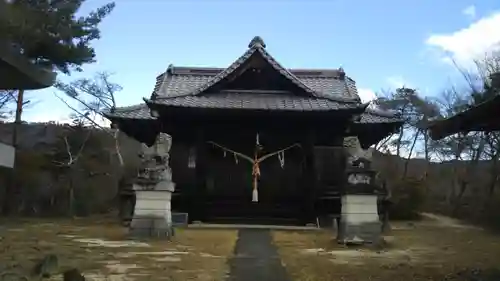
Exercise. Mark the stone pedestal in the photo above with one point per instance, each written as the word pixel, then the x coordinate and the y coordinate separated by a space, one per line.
pixel 152 213
pixel 153 191
pixel 359 220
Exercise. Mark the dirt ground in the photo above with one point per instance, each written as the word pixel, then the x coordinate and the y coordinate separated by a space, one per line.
pixel 101 250
pixel 433 249
pixel 436 248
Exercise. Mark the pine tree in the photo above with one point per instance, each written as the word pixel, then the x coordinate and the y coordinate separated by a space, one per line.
pixel 49 33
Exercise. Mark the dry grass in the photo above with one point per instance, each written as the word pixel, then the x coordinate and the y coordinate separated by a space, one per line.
pixel 421 251
pixel 194 254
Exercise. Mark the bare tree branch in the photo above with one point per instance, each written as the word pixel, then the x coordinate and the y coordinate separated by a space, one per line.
pixel 81 114
pixel 95 97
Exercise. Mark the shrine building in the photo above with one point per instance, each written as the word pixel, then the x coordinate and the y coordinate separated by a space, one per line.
pixel 256 142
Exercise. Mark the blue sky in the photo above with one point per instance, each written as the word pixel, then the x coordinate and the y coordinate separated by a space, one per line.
pixel 381 44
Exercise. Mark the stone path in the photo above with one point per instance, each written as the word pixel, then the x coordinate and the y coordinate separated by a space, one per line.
pixel 447 221
pixel 256 258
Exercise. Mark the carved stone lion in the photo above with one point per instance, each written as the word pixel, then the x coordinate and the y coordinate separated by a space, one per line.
pixel 355 152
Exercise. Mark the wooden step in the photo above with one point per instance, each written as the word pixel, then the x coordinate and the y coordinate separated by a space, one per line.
pixel 253 220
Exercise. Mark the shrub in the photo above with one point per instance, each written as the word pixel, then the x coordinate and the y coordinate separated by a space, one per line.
pixel 490 216
pixel 407 198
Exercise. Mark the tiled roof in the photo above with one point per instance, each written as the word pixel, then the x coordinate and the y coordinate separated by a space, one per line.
pixel 256 101
pixel 370 116
pixel 180 81
pixel 328 84
pixel 139 111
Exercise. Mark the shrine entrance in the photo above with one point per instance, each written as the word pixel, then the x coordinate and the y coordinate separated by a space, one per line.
pixel 255 182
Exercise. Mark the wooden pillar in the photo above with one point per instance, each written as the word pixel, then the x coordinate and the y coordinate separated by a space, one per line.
pixel 198 196
pixel 310 182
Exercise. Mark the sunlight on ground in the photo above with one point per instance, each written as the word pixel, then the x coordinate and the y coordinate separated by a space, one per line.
pixel 414 251
pixel 102 251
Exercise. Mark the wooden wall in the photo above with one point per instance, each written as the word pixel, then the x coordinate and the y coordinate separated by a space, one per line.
pixel 228 184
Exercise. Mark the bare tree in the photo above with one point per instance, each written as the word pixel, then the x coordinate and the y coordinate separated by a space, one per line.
pixel 12 103
pixel 7 100
pixel 93 97
pixel 456 147
pixel 396 101
pixel 416 112
pixel 69 159
pixel 468 149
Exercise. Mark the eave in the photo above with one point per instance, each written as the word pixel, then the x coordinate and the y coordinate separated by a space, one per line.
pixel 374 126
pixel 254 102
pixel 483 117
pixel 136 122
pixel 17 72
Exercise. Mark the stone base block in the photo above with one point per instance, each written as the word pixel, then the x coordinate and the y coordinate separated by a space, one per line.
pixel 369 232
pixel 152 216
pixel 359 220
pixel 154 186
pixel 146 226
pixel 153 204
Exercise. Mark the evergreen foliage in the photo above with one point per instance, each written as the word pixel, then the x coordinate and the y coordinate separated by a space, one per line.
pixel 50 33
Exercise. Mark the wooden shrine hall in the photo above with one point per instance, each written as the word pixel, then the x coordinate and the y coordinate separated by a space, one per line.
pixel 255 142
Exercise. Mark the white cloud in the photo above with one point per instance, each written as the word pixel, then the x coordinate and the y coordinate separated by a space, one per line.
pixel 397 82
pixel 473 42
pixel 470 12
pixel 366 95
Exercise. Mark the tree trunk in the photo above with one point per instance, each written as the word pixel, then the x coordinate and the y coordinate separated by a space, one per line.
pixel 427 156
pixel 10 189
pixel 494 176
pixel 117 148
pixel 398 144
pixel 120 175
pixel 386 203
pixel 458 200
pixel 71 199
pixel 454 181
pixel 407 162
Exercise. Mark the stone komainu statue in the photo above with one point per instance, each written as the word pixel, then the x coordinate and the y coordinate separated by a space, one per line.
pixel 356 155
pixel 154 160
pixel 154 167
pixel 153 189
